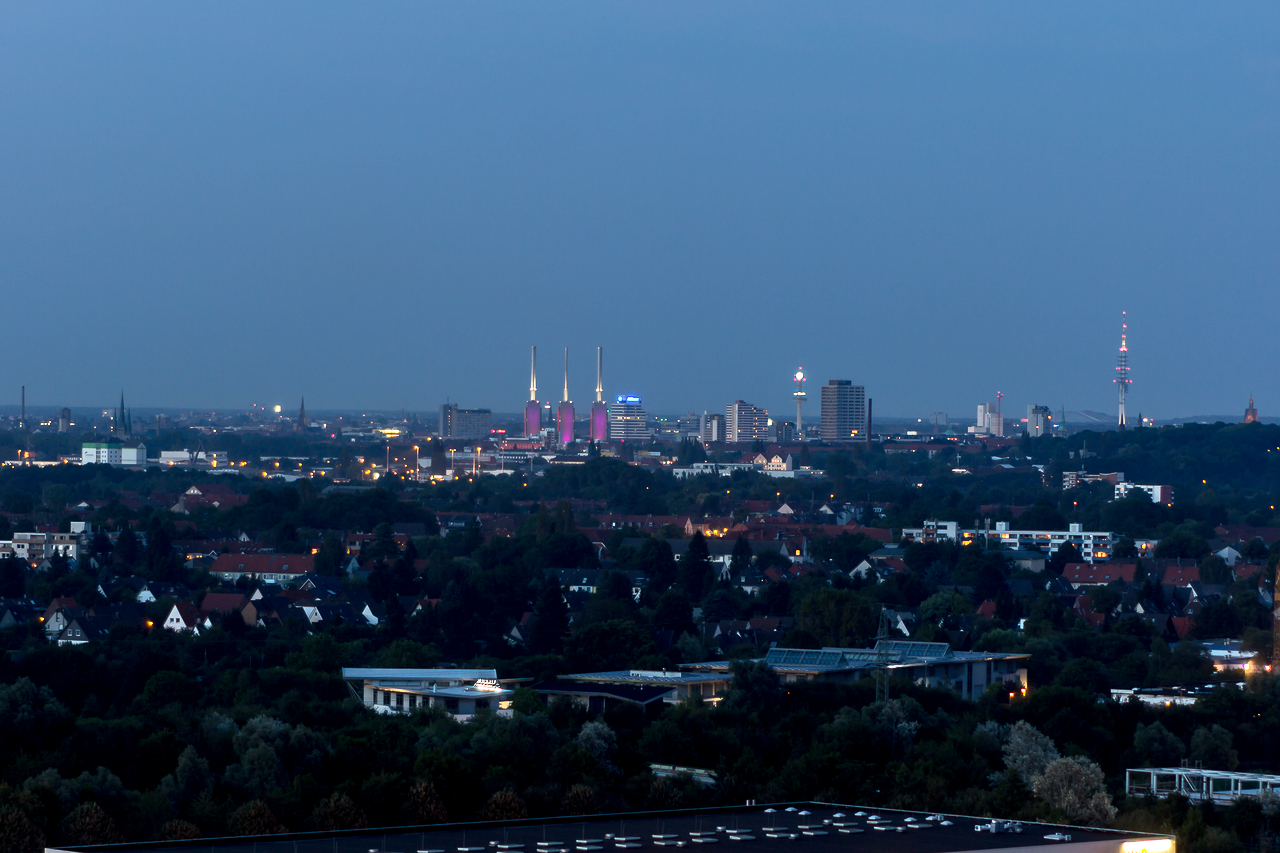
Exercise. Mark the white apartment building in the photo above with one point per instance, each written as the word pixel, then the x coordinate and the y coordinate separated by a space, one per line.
pixel 1159 494
pixel 745 422
pixel 34 547
pixel 1094 546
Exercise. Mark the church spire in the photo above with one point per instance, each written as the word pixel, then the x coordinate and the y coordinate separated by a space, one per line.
pixel 302 416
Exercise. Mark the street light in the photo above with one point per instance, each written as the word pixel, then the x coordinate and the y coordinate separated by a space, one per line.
pixel 417 468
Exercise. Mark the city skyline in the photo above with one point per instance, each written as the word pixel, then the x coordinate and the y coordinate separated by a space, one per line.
pixel 778 409
pixel 382 210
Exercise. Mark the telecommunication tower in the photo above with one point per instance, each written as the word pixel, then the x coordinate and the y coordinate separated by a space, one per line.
pixel 800 397
pixel 1122 379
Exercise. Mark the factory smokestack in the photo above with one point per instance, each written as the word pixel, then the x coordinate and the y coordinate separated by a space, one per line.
pixel 532 410
pixel 599 412
pixel 564 414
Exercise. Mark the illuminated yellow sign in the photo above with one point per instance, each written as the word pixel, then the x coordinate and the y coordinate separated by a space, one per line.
pixel 1150 845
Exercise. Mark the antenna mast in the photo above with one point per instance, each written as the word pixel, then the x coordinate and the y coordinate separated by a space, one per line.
pixel 1122 379
pixel 566 374
pixel 800 397
pixel 599 374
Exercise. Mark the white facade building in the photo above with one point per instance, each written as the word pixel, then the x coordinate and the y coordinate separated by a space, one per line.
pixel 990 422
pixel 1093 545
pixel 1159 494
pixel 100 453
pixel 1039 421
pixel 213 458
pixel 628 421
pixel 463 693
pixel 745 422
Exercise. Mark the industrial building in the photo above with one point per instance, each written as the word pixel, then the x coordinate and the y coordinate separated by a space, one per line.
pixel 599 411
pixel 1197 784
pixel 533 409
pixel 800 827
pixel 969 674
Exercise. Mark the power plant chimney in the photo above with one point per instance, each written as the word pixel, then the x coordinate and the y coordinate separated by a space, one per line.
pixel 599 412
pixel 533 409
pixel 564 414
pixel 600 376
pixel 533 374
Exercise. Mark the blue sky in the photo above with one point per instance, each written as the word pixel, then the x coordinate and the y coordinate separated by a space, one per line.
pixel 384 205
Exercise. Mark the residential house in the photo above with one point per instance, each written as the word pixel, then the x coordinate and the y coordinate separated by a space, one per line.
pixel 20 611
pixel 223 602
pixel 1097 574
pixel 185 616
pixel 271 568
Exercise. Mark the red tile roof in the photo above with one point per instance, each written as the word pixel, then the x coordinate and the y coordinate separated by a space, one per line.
pixel 223 602
pixel 1097 574
pixel 260 564
pixel 1181 575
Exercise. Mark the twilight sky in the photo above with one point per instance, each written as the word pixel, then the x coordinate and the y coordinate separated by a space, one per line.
pixel 381 205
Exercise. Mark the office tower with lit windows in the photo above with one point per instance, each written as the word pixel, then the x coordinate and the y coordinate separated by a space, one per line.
pixel 745 422
pixel 844 411
pixel 628 421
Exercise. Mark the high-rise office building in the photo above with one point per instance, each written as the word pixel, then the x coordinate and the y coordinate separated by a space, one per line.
pixel 844 411
pixel 745 422
pixel 711 427
pixel 1039 421
pixel 628 421
pixel 989 421
pixel 464 423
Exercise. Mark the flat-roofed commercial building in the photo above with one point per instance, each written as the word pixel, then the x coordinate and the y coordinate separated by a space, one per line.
pixel 463 693
pixel 464 423
pixel 813 827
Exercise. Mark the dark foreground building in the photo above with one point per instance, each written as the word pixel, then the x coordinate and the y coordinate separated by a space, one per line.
pixel 786 828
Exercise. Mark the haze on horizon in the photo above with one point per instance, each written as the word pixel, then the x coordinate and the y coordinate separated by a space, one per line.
pixel 385 206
